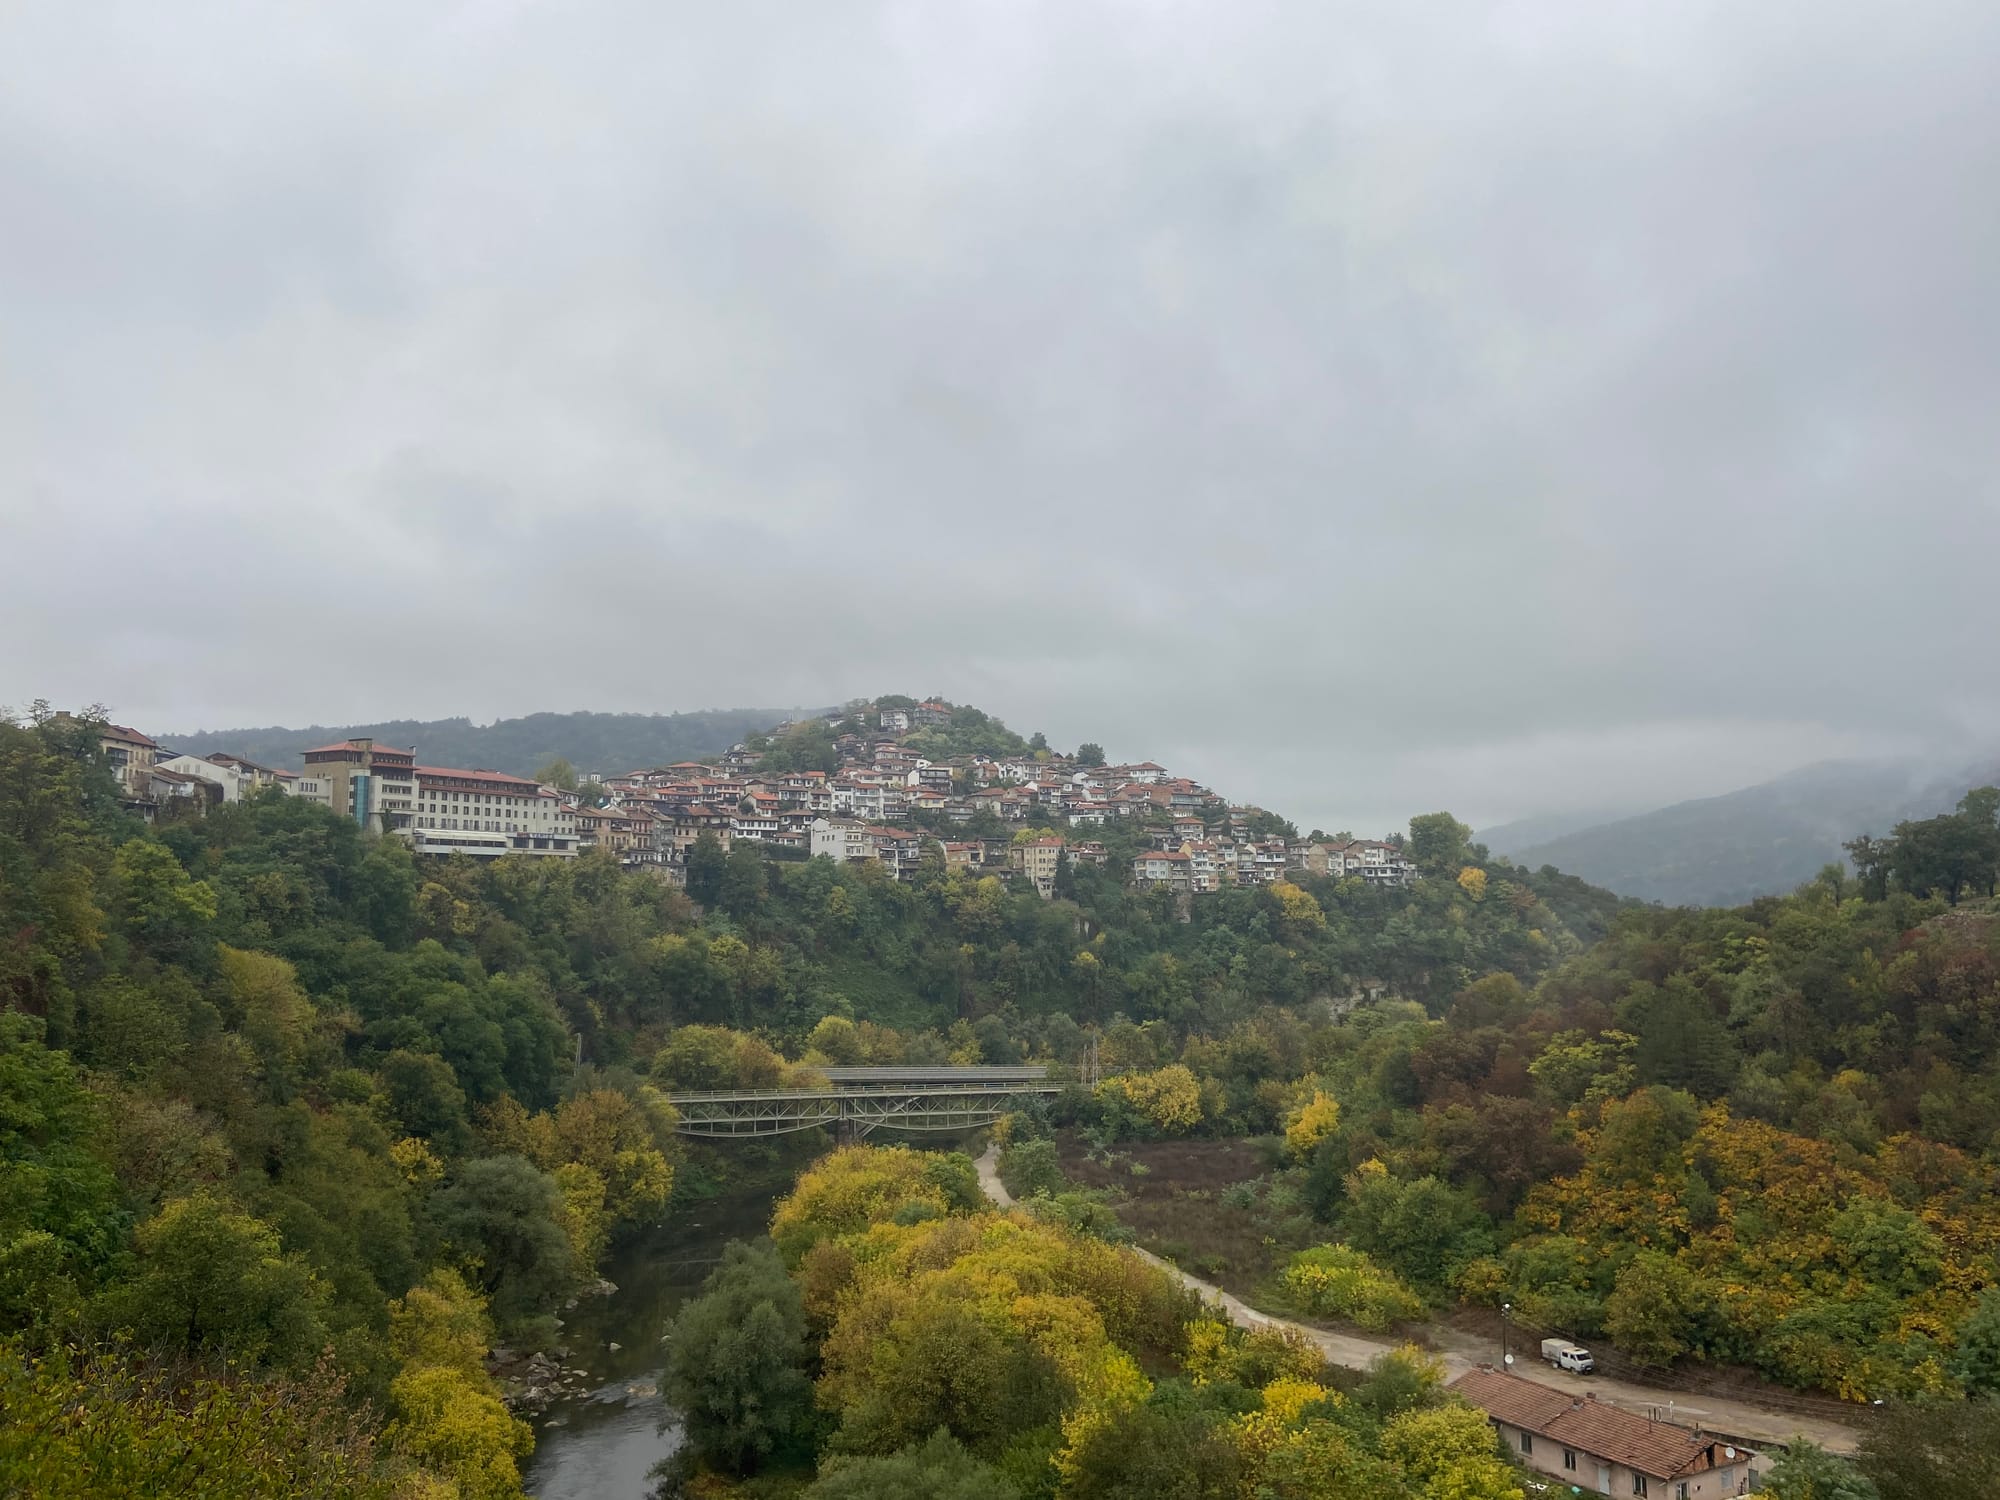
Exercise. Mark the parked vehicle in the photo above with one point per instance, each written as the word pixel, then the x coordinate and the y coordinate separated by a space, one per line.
pixel 1567 1356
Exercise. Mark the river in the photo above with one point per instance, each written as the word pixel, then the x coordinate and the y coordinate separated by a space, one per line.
pixel 602 1444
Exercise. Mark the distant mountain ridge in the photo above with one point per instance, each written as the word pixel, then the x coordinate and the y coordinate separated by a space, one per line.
pixel 1759 841
pixel 595 742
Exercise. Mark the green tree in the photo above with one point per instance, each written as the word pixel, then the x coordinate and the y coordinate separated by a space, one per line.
pixel 736 1362
pixel 499 1218
pixel 425 1096
pixel 1439 843
pixel 1654 1308
pixel 1682 1042
pixel 213 1279
pixel 165 909
pixel 740 891
pixel 1166 1448
pixel 1806 1471
pixel 1419 1229
pixel 1933 1450
pixel 937 1469
pixel 557 772
pixel 52 1180
pixel 1090 753
pixel 706 862
pixel 1975 1363
pixel 86 1426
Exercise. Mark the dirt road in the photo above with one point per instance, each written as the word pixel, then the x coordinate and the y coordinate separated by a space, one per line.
pixel 1722 1414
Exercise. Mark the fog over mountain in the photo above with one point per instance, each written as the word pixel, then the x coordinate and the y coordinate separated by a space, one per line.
pixel 1366 408
pixel 1758 841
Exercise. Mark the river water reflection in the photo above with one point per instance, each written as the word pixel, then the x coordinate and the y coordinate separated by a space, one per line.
pixel 602 1445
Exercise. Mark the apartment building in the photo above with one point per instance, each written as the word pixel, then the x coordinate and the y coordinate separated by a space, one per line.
pixel 1167 867
pixel 1037 860
pixel 841 840
pixel 489 813
pixel 373 784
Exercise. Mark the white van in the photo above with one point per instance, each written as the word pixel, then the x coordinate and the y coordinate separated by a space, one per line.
pixel 1567 1356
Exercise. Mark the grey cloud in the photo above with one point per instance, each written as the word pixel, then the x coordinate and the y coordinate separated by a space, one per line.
pixel 1373 408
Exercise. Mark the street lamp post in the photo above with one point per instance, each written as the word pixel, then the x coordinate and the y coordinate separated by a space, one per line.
pixel 1506 1318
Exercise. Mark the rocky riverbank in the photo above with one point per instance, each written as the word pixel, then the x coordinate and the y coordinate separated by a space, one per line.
pixel 532 1382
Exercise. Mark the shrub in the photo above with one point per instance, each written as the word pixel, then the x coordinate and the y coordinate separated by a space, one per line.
pixel 1336 1281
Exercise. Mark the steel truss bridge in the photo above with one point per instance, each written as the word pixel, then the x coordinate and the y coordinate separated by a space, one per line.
pixel 856 1101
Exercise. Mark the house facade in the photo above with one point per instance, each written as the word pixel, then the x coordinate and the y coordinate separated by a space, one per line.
pixel 1037 859
pixel 1167 867
pixel 841 840
pixel 130 755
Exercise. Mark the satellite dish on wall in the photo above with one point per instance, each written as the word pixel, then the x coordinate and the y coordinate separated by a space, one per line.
pixel 1729 1453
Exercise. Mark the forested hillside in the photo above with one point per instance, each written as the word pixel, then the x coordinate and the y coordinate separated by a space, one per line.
pixel 293 1127
pixel 1760 841
pixel 604 743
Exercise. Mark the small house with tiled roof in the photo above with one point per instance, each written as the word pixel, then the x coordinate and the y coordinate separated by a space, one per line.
pixel 1601 1449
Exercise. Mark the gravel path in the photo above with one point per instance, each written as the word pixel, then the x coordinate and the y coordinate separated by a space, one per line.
pixel 1725 1414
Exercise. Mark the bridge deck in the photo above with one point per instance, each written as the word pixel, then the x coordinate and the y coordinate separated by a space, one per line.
pixel 858 1100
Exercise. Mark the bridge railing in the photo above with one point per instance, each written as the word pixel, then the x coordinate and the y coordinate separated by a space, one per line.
pixel 849 1091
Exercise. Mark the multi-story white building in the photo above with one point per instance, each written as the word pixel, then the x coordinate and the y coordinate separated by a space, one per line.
pixel 842 840
pixel 489 813
pixel 1167 867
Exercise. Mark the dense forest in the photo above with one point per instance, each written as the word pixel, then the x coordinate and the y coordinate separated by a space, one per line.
pixel 293 1128
pixel 603 743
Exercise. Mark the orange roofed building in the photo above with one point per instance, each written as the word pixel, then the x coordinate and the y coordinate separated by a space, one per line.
pixel 1601 1449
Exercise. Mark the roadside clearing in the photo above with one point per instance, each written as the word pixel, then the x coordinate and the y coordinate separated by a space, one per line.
pixel 1720 1414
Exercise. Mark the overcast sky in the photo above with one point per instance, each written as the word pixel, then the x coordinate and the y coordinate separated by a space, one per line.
pixel 1366 407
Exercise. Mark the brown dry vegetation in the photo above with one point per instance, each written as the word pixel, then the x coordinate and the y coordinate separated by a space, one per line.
pixel 1178 1204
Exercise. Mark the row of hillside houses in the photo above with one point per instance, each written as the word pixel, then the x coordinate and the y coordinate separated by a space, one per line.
pixel 898 787
pixel 651 818
pixel 846 841
pixel 1183 860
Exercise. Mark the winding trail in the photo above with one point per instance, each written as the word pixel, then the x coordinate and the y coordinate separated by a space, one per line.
pixel 1727 1415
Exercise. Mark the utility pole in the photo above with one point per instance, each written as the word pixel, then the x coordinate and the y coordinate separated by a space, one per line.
pixel 1506 1319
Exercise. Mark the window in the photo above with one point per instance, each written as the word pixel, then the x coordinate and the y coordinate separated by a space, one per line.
pixel 1527 1442
pixel 1569 1459
pixel 1681 1491
pixel 1638 1484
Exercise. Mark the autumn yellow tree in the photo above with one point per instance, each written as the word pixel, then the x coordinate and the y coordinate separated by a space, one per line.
pixel 1311 1123
pixel 1168 1098
pixel 448 1414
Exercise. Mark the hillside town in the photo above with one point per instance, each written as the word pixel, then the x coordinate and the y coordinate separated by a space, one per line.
pixel 1026 814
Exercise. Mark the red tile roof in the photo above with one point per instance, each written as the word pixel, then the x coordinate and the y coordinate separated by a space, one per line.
pixel 1659 1449
pixel 129 736
pixel 487 778
pixel 357 748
